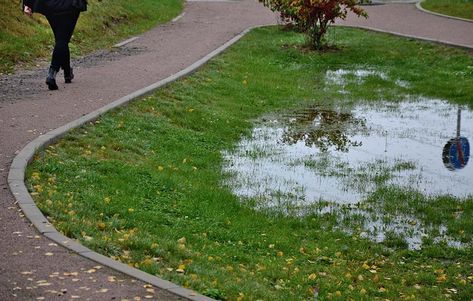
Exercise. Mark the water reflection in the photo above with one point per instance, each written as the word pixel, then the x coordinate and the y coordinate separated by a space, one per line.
pixel 456 152
pixel 333 155
pixel 321 128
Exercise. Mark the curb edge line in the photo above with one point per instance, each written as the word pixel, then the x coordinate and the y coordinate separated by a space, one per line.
pixel 419 7
pixel 464 46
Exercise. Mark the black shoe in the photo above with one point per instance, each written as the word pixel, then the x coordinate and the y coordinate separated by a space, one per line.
pixel 68 75
pixel 51 79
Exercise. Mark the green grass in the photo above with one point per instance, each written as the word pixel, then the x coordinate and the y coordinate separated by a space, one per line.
pixel 144 183
pixel 23 40
pixel 456 8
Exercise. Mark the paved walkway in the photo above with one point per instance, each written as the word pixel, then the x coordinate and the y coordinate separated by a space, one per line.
pixel 407 20
pixel 31 266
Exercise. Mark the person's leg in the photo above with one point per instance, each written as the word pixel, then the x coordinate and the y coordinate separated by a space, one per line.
pixel 63 26
pixel 69 24
pixel 55 64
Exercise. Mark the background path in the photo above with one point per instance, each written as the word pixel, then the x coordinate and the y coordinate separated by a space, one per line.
pixel 406 19
pixel 31 266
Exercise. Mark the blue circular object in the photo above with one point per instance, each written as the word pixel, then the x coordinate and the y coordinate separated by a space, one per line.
pixel 456 153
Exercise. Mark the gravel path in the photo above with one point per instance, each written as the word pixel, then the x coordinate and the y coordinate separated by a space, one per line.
pixel 34 268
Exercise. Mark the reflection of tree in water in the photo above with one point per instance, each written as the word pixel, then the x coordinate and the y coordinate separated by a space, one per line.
pixel 323 129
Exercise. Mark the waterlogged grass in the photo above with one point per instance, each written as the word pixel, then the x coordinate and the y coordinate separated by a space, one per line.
pixel 144 183
pixel 24 40
pixel 456 8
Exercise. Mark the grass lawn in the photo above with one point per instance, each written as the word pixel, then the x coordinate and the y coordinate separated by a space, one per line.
pixel 144 184
pixel 24 40
pixel 456 8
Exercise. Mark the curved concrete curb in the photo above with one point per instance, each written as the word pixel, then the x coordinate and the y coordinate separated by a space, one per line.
pixel 394 1
pixel 16 178
pixel 467 47
pixel 419 7
pixel 123 43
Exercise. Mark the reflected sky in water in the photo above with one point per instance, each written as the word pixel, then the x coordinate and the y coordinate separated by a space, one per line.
pixel 341 155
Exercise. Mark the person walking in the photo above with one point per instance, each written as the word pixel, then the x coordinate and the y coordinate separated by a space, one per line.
pixel 62 16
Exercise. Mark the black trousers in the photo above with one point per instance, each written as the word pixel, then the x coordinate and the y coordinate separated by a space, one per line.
pixel 63 26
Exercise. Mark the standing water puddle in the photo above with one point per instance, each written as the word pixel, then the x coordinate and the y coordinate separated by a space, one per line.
pixel 341 156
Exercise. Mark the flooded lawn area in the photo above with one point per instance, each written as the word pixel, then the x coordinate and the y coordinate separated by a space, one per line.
pixel 342 155
pixel 329 157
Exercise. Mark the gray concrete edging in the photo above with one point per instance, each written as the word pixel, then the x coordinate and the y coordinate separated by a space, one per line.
pixel 419 7
pixel 16 178
pixel 127 41
pixel 467 47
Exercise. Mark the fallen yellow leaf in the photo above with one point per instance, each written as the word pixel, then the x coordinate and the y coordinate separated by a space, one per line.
pixel 442 278
pixel 101 226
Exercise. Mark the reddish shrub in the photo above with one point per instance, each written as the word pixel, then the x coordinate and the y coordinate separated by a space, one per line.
pixel 313 17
